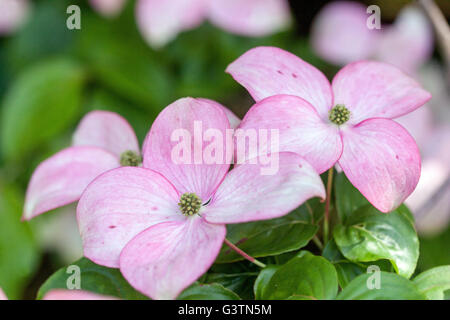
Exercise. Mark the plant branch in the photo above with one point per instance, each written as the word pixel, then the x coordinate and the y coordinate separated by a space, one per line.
pixel 327 206
pixel 441 28
pixel 245 255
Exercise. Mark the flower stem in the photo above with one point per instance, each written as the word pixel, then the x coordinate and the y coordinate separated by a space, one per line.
pixel 327 206
pixel 318 242
pixel 245 255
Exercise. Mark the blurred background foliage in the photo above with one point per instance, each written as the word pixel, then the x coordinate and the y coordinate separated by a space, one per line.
pixel 51 76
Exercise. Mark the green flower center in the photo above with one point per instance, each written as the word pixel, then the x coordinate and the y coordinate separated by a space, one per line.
pixel 339 114
pixel 190 204
pixel 130 159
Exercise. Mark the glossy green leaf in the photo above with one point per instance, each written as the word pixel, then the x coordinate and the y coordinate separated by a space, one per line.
pixel 434 282
pixel 42 102
pixel 18 252
pixel 391 287
pixel 212 291
pixel 348 270
pixel 94 278
pixel 305 276
pixel 371 235
pixel 262 281
pixel 348 198
pixel 270 237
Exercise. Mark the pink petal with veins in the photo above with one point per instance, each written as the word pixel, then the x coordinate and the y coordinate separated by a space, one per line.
pixel 372 89
pixel 106 130
pixel 166 258
pixel 178 132
pixel 120 204
pixel 62 178
pixel 268 71
pixel 382 161
pixel 249 193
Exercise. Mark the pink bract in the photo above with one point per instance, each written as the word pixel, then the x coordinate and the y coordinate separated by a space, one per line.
pixel 161 20
pixel 378 155
pixel 130 218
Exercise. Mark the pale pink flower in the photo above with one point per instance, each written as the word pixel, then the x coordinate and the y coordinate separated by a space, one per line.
pixel 340 35
pixel 138 220
pixel 13 14
pixel 108 8
pixel 103 141
pixel 99 142
pixel 348 122
pixel 161 20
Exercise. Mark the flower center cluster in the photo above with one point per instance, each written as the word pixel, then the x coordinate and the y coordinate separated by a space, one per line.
pixel 130 159
pixel 190 204
pixel 339 114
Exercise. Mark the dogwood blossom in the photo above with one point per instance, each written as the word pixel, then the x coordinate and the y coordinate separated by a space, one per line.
pixel 163 224
pixel 348 122
pixel 103 141
pixel 161 20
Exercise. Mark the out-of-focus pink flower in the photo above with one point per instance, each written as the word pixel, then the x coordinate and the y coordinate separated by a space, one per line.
pixel 164 224
pixel 161 20
pixel 430 201
pixel 103 141
pixel 408 43
pixel 348 122
pixel 108 8
pixel 63 294
pixel 13 14
pixel 2 295
pixel 340 35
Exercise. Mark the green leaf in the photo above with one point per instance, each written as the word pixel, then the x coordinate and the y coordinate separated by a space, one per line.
pixel 262 280
pixel 42 102
pixel 348 198
pixel 212 291
pixel 348 270
pixel 269 237
pixel 93 278
pixel 18 252
pixel 371 235
pixel 392 287
pixel 434 282
pixel 305 276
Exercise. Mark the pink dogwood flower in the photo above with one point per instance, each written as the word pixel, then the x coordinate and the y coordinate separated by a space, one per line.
pixel 103 141
pixel 340 35
pixel 161 20
pixel 163 224
pixel 348 122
